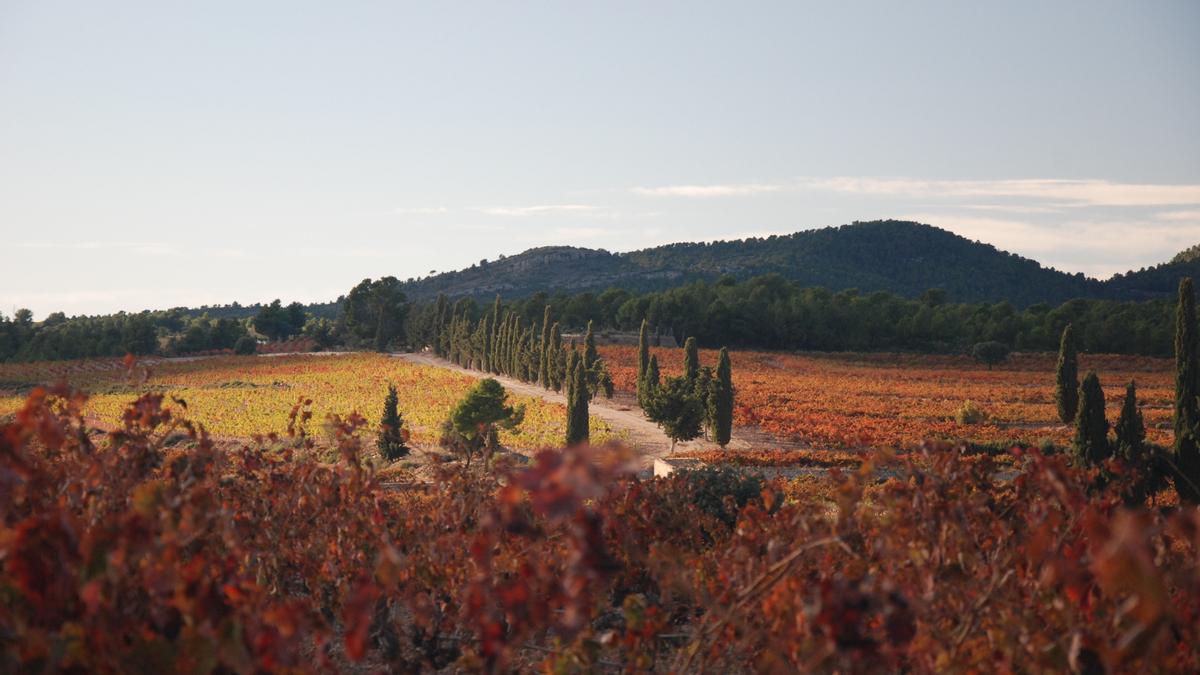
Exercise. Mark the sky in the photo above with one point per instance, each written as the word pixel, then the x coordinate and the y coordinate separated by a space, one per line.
pixel 156 154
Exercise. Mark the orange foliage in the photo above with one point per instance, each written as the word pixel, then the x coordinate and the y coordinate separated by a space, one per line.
pixel 119 553
pixel 898 400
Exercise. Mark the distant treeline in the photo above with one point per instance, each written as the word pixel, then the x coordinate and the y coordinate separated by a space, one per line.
pixel 766 312
pixel 770 312
pixel 168 332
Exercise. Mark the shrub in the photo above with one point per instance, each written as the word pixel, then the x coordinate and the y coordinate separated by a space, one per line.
pixel 990 353
pixel 970 413
pixel 245 346
pixel 711 486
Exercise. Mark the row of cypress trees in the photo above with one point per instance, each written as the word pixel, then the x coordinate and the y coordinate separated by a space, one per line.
pixel 1083 405
pixel 699 399
pixel 500 344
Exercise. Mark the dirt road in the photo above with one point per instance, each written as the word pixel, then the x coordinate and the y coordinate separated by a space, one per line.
pixel 642 435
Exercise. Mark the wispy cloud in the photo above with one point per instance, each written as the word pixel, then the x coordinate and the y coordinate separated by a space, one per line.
pixel 534 210
pixel 1062 192
pixel 1097 247
pixel 1181 216
pixel 138 247
pixel 420 210
pixel 1015 208
pixel 722 190
pixel 569 234
pixel 1079 192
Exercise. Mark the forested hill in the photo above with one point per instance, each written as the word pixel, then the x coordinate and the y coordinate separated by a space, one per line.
pixel 906 258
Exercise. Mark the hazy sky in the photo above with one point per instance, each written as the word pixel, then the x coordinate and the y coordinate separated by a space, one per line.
pixel 159 153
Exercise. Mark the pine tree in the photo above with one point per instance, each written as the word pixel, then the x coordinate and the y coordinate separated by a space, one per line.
pixel 392 435
pixel 691 359
pixel 721 400
pixel 577 401
pixel 676 408
pixel 543 367
pixel 1187 388
pixel 643 363
pixel 1066 388
pixel 1091 427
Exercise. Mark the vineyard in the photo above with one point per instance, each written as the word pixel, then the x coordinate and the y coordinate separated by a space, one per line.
pixel 119 549
pixel 237 397
pixel 231 513
pixel 897 401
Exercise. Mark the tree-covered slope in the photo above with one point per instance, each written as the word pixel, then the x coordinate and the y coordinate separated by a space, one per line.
pixel 902 257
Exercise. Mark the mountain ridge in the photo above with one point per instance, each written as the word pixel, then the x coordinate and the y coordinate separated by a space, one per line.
pixel 902 257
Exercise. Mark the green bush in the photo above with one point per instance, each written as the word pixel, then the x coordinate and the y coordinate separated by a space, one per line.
pixel 990 353
pixel 245 346
pixel 711 485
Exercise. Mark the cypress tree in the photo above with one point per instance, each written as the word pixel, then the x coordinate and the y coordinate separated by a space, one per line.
pixel 1149 474
pixel 651 381
pixel 691 360
pixel 440 325
pixel 556 359
pixel 572 432
pixel 1066 388
pixel 494 338
pixel 543 366
pixel 1091 427
pixel 721 400
pixel 590 355
pixel 514 347
pixel 1131 430
pixel 577 405
pixel 581 406
pixel 502 338
pixel 391 429
pixel 532 355
pixel 485 344
pixel 1187 388
pixel 643 363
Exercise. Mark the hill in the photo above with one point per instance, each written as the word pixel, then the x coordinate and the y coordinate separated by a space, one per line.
pixel 902 257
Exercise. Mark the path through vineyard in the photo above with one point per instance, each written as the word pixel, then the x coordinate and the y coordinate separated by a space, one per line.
pixel 641 434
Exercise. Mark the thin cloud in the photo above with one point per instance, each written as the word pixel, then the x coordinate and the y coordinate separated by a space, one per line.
pixel 725 190
pixel 1015 208
pixel 1060 192
pixel 1181 216
pixel 534 210
pixel 1076 192
pixel 420 210
pixel 1100 248
pixel 139 247
pixel 570 233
